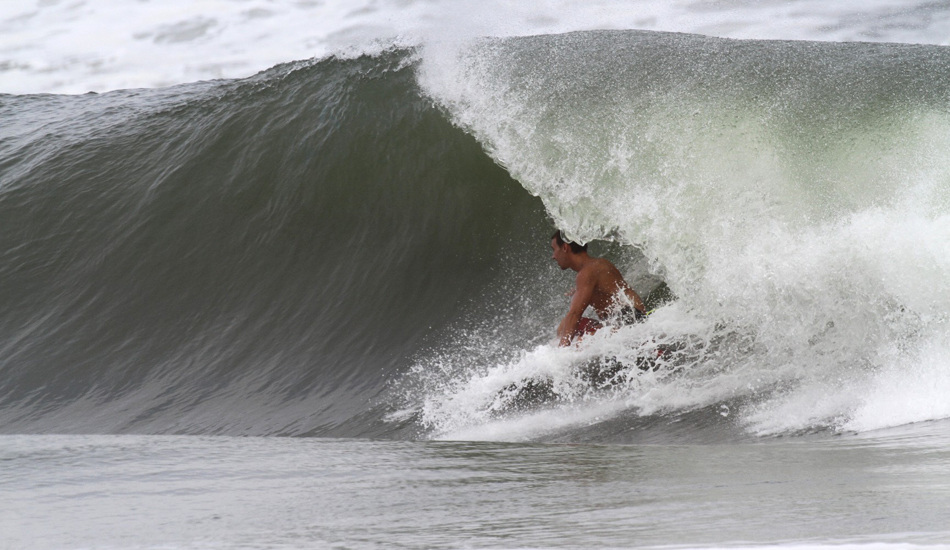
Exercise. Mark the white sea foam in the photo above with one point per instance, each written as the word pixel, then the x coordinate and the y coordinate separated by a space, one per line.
pixel 99 45
pixel 611 372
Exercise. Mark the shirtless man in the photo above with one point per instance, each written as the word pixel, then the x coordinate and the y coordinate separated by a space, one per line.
pixel 599 285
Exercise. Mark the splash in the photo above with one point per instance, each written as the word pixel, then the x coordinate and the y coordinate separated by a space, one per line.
pixel 795 193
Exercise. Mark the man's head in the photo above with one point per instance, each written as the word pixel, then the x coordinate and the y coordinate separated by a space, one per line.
pixel 564 250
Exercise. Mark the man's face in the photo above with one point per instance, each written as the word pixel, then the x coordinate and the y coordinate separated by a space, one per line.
pixel 560 253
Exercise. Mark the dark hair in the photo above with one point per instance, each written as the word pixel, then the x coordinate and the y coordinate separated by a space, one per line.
pixel 575 248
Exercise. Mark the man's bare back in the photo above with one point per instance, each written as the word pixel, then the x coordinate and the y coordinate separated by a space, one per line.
pixel 607 283
pixel 599 284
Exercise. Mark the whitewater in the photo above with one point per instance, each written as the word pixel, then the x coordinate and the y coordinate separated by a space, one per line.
pixel 277 274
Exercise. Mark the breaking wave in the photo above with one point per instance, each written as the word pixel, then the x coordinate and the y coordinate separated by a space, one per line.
pixel 358 247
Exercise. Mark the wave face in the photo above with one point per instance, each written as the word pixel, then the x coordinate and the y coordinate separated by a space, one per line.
pixel 357 247
pixel 242 257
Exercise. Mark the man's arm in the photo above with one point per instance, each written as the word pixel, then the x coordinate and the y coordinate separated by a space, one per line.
pixel 582 298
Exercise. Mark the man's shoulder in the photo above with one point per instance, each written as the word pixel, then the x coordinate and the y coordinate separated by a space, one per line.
pixel 596 269
pixel 604 262
pixel 602 266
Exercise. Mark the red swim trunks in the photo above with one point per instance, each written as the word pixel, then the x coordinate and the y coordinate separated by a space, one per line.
pixel 586 326
pixel 626 316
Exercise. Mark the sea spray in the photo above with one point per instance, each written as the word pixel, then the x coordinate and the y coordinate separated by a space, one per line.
pixel 795 193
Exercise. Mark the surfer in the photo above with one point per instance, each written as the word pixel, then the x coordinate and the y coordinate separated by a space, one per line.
pixel 600 285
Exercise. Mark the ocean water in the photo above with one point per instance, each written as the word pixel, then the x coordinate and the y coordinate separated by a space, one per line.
pixel 283 280
pixel 886 491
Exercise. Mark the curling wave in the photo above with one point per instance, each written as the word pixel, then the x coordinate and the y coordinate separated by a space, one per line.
pixel 358 247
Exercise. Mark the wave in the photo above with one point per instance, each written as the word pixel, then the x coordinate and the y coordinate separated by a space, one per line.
pixel 243 257
pixel 358 247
